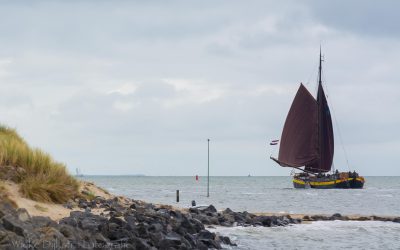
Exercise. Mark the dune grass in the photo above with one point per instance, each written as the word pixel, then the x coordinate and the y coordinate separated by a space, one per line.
pixel 42 178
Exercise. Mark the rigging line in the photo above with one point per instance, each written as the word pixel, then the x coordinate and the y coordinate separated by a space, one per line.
pixel 311 75
pixel 337 124
pixel 274 149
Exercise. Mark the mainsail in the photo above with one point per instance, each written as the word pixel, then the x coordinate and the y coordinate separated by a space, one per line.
pixel 307 136
pixel 298 145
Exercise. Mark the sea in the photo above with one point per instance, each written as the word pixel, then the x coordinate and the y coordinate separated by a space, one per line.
pixel 380 196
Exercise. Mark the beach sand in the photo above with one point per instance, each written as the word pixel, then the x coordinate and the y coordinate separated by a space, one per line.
pixel 54 211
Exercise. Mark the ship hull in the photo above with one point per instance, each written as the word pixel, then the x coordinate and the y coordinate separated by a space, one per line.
pixel 322 183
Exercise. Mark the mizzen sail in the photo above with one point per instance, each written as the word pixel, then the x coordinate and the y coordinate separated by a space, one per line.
pixel 325 136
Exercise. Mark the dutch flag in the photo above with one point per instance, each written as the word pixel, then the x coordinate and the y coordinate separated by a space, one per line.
pixel 274 142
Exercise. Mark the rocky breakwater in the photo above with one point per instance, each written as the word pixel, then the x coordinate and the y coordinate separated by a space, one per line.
pixel 228 218
pixel 137 226
pixel 121 223
pixel 338 216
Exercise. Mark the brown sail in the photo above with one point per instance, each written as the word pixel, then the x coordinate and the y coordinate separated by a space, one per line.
pixel 325 136
pixel 298 145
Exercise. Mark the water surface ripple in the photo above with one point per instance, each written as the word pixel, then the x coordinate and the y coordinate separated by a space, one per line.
pixel 381 195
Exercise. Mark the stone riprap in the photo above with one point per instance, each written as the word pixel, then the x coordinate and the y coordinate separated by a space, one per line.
pixel 124 224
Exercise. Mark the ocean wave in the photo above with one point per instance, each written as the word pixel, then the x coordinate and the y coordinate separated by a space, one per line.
pixel 316 235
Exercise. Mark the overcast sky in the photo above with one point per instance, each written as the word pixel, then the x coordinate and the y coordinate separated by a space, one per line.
pixel 137 87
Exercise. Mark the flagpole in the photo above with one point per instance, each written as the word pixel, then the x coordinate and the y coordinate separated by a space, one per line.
pixel 208 168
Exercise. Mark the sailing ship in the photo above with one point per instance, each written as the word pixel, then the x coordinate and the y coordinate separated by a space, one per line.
pixel 78 173
pixel 307 142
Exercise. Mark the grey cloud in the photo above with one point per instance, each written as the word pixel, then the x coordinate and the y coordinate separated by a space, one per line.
pixel 370 18
pixel 169 133
pixel 69 61
pixel 155 90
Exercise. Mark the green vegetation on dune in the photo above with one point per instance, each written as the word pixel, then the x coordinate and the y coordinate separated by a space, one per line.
pixel 40 177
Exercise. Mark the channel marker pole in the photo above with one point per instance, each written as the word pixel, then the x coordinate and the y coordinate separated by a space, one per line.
pixel 208 169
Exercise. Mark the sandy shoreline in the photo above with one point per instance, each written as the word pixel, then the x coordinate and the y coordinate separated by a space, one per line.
pixel 54 211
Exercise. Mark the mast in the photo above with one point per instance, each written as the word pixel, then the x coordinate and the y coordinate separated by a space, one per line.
pixel 319 109
pixel 320 67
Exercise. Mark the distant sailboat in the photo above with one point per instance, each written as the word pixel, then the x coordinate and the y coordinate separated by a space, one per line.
pixel 78 173
pixel 307 141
